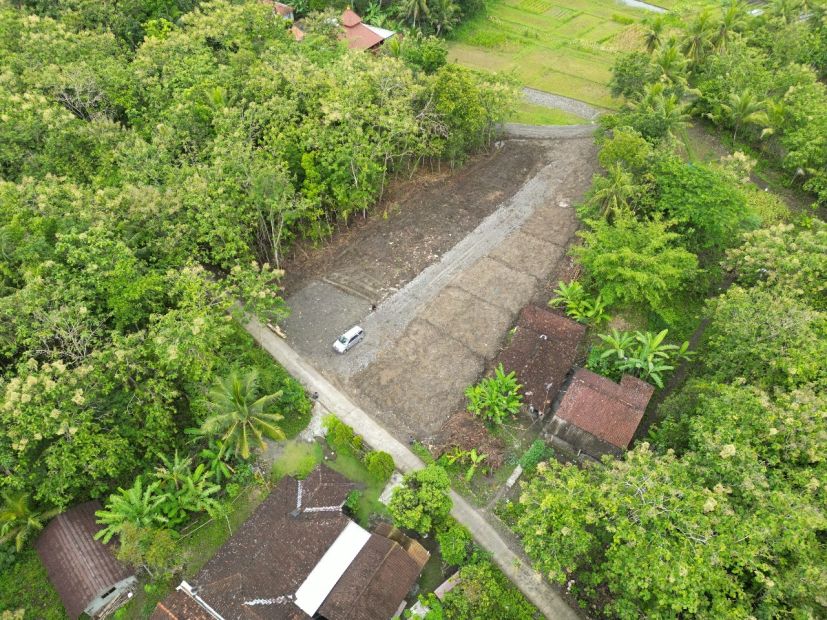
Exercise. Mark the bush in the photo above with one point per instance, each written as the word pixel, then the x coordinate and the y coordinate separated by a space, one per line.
pixel 422 501
pixel 352 501
pixel 538 451
pixel 340 436
pixel 632 262
pixel 454 544
pixel 579 304
pixel 380 465
pixel 495 398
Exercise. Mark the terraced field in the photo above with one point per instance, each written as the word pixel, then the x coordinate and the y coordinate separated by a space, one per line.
pixel 559 46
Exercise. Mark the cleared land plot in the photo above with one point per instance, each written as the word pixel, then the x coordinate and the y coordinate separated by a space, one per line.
pixel 448 288
pixel 568 50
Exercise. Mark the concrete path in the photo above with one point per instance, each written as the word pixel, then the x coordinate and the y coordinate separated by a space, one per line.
pixel 514 564
pixel 567 104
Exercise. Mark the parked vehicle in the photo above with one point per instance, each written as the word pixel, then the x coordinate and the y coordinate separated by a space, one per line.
pixel 349 339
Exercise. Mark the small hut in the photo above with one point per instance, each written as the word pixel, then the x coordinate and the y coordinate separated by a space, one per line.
pixel 83 570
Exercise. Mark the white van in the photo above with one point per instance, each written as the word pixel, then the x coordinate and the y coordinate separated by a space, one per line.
pixel 349 339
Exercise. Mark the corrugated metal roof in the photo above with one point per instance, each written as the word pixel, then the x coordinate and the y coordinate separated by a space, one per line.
pixel 330 568
pixel 80 567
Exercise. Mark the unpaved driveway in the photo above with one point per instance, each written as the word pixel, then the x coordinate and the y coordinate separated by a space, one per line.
pixel 449 274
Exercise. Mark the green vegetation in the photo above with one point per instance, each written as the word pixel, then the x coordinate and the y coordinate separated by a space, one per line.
pixel 580 306
pixel 496 398
pixel 532 114
pixel 565 48
pixel 297 459
pixel 721 514
pixel 24 584
pixel 421 503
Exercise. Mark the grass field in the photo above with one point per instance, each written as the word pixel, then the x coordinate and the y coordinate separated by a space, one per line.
pixel 532 114
pixel 559 46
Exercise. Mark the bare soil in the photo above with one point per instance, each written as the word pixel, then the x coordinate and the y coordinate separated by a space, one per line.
pixel 448 261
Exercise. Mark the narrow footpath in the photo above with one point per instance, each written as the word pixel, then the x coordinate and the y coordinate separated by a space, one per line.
pixel 513 563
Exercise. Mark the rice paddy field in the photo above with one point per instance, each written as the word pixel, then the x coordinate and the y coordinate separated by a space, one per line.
pixel 565 47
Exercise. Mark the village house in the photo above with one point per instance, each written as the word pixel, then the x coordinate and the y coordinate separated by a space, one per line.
pixel 541 352
pixel 84 571
pixel 597 416
pixel 299 556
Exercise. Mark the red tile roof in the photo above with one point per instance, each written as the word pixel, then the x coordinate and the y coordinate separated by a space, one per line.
pixel 609 411
pixel 80 567
pixel 285 10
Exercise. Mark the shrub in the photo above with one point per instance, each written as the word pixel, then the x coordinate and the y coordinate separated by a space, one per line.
pixel 352 501
pixel 635 262
pixel 422 501
pixel 380 465
pixel 495 398
pixel 579 305
pixel 454 544
pixel 340 436
pixel 538 451
pixel 643 354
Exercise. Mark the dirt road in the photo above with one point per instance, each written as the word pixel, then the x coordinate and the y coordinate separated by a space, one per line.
pixel 448 274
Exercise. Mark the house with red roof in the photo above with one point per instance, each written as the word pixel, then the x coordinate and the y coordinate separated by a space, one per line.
pixel 358 34
pixel 597 416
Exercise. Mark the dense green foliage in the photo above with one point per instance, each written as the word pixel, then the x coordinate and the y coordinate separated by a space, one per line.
pixel 722 513
pixel 421 502
pixel 156 160
pixel 482 592
pixel 754 74
pixel 642 354
pixel 497 398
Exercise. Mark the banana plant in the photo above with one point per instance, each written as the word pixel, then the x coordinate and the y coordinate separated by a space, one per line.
pixel 579 305
pixel 644 354
pixel 476 460
pixel 215 456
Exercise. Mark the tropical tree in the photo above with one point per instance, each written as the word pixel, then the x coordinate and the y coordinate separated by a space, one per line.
pixel 654 33
pixel 20 519
pixel 611 193
pixel 414 11
pixel 643 354
pixel 699 37
pixel 138 505
pixel 422 501
pixel 744 109
pixel 239 415
pixel 732 19
pixel 658 114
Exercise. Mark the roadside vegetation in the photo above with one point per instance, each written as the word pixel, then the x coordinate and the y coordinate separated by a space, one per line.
pixel 156 164
pixel 720 511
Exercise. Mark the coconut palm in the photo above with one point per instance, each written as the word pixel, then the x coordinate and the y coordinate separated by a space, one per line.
pixel 744 109
pixel 240 416
pixel 654 34
pixel 414 11
pixel 671 64
pixel 699 37
pixel 19 519
pixel 613 191
pixel 732 19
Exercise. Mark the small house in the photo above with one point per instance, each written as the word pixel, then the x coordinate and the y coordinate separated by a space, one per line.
pixel 83 570
pixel 299 556
pixel 597 416
pixel 541 352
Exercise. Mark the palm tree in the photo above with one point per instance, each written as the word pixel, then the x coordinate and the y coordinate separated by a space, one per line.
pixel 173 474
pixel 671 63
pixel 19 519
pixel 654 35
pixel 444 14
pixel 612 192
pixel 414 10
pixel 731 20
pixel 699 37
pixel 137 505
pixel 239 415
pixel 745 109
pixel 667 112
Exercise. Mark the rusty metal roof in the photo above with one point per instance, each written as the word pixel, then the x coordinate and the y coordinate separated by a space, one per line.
pixel 80 567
